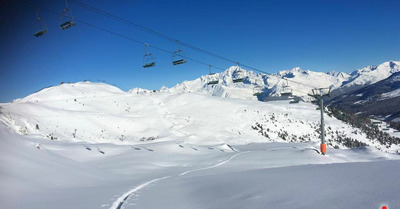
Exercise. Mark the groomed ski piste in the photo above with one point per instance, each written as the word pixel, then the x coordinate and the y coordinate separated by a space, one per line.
pixel 91 145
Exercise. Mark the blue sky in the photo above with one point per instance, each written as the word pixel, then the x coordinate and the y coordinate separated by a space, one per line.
pixel 269 35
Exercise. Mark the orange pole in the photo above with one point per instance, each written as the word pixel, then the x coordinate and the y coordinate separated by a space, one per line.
pixel 323 149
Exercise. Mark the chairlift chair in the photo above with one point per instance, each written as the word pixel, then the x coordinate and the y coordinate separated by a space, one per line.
pixel 286 91
pixel 67 24
pixel 40 33
pixel 257 91
pixel 178 61
pixel 68 15
pixel 152 64
pixel 238 80
pixel 213 81
pixel 178 56
pixel 42 29
pixel 148 59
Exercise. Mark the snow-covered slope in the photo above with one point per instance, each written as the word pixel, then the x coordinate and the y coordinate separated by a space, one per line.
pixel 379 99
pixel 369 75
pixel 37 173
pixel 314 79
pixel 126 118
pixel 140 91
pixel 373 74
pixel 73 91
pixel 252 83
pixel 89 145
pixel 269 87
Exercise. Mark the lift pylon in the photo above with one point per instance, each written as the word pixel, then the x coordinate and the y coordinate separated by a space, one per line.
pixel 319 96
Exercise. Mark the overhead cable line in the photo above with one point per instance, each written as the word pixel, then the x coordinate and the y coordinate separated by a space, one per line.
pixel 123 20
pixel 158 34
pixel 161 35
pixel 129 38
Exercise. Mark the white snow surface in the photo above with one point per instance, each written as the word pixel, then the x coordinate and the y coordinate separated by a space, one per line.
pixel 390 94
pixel 370 75
pixel 182 150
pixel 373 74
pixel 70 113
pixel 170 174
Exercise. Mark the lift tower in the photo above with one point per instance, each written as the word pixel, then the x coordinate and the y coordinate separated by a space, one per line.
pixel 319 96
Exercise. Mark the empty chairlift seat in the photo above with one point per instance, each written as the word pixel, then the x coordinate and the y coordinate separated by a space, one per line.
pixel 67 25
pixel 178 62
pixel 67 20
pixel 148 59
pixel 212 82
pixel 152 64
pixel 40 33
pixel 178 56
pixel 286 90
pixel 41 26
pixel 238 80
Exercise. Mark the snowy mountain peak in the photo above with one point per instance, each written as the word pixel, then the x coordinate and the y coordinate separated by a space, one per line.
pixel 372 74
pixel 338 74
pixel 293 72
pixel 259 86
pixel 71 91
pixel 140 91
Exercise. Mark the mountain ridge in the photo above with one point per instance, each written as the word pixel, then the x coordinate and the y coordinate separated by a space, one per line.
pixel 300 81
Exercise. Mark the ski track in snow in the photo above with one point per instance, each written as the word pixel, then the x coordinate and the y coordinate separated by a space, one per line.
pixel 213 166
pixel 121 200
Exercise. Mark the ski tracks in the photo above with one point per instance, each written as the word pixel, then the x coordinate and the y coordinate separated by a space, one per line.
pixel 121 200
pixel 213 166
